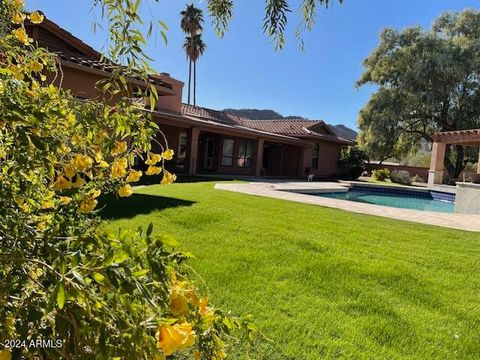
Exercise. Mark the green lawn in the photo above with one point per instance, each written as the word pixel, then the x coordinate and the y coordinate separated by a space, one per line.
pixel 323 283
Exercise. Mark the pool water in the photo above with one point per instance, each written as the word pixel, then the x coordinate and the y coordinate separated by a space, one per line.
pixel 393 200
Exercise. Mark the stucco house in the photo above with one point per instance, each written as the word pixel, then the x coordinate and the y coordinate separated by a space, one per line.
pixel 205 141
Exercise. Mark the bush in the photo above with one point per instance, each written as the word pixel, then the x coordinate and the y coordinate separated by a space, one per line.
pixel 418 179
pixel 352 163
pixel 401 177
pixel 127 295
pixel 381 174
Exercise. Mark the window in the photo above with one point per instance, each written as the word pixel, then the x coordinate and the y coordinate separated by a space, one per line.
pixel 244 156
pixel 182 149
pixel 315 153
pixel 227 152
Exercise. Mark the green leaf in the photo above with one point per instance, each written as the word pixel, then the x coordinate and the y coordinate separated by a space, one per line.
pixel 168 240
pixel 149 229
pixel 98 277
pixel 79 277
pixel 61 296
pixel 140 273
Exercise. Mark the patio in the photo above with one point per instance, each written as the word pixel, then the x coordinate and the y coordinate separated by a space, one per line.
pixel 468 193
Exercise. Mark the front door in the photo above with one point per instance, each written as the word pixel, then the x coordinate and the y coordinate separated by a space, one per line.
pixel 208 154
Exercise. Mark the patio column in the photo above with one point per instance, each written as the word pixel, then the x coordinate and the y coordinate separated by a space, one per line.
pixel 478 163
pixel 192 166
pixel 259 161
pixel 435 174
pixel 306 159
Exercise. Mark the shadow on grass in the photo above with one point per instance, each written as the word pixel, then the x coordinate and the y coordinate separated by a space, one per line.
pixel 155 180
pixel 137 204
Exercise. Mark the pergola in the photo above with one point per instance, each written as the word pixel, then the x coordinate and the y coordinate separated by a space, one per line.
pixel 441 140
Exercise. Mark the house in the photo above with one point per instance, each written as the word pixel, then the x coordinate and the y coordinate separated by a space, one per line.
pixel 205 141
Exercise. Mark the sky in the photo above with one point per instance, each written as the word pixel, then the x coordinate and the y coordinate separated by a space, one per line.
pixel 243 70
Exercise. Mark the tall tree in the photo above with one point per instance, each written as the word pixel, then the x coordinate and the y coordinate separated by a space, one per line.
pixel 192 24
pixel 428 81
pixel 194 48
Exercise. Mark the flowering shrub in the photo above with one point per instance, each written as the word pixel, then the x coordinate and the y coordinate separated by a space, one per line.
pixel 103 296
pixel 401 177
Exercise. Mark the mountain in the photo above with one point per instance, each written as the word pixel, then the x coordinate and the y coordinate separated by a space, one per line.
pixel 344 132
pixel 256 114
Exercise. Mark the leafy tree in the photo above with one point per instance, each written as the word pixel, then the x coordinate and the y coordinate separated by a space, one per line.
pixel 428 81
pixel 352 163
pixel 192 24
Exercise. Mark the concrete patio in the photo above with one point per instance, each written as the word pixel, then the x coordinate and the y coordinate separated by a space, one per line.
pixel 283 191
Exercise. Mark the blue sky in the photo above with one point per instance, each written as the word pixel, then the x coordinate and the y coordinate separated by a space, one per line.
pixel 243 70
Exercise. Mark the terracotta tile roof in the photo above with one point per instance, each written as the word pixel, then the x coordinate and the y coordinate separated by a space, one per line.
pixel 107 66
pixel 297 127
pixel 282 126
pixel 208 114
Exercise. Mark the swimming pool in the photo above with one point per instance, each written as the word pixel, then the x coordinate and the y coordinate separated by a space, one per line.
pixel 398 198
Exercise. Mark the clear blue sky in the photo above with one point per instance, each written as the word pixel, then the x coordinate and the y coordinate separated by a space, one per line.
pixel 243 70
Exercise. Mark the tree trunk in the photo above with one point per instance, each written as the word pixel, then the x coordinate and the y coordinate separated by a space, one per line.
pixel 455 167
pixel 195 83
pixel 189 79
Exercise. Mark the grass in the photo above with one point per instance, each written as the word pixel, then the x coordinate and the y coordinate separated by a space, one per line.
pixel 323 283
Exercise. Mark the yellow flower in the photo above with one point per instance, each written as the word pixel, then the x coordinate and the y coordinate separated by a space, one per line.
pixel 48 204
pixel 35 66
pixel 2 87
pixel 168 178
pixel 88 204
pixel 181 294
pixel 79 182
pixel 22 36
pixel 69 170
pixel 119 167
pixel 18 4
pixel 153 170
pixel 65 200
pixel 36 17
pixel 203 306
pixel 17 72
pixel 103 164
pixel 64 149
pixel 168 154
pixel 177 337
pixel 18 17
pixel 77 140
pixel 125 191
pixel 62 183
pixel 98 156
pixel 134 176
pixel 41 226
pixel 120 147
pixel 82 162
pixel 221 354
pixel 153 159
pixel 94 193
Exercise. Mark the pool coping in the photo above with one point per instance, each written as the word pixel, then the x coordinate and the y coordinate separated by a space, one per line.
pixel 284 191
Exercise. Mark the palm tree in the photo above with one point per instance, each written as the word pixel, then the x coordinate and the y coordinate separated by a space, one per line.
pixel 194 48
pixel 192 24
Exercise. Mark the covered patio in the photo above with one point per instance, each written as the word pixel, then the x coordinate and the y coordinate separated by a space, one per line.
pixel 467 199
pixel 441 140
